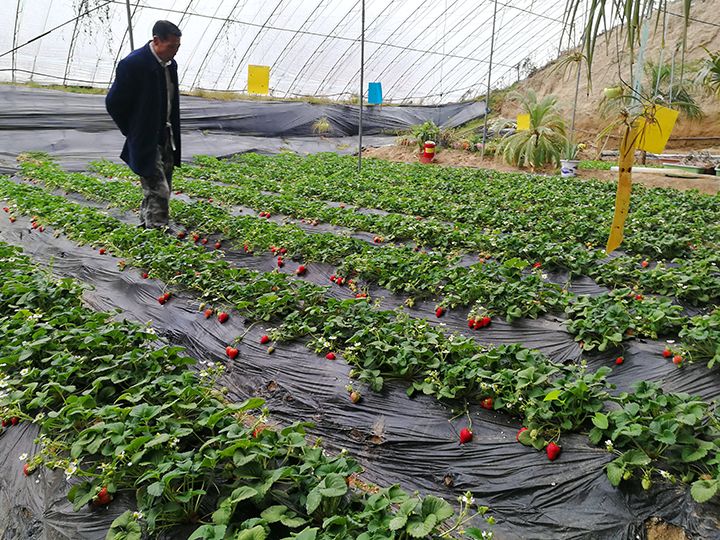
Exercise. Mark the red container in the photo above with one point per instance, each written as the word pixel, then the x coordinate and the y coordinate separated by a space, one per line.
pixel 428 154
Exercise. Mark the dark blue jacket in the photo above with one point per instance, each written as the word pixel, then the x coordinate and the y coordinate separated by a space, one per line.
pixel 137 102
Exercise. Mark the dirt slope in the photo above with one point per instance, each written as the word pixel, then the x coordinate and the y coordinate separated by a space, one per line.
pixel 605 73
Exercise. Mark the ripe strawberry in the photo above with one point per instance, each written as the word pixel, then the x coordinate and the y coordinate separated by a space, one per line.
pixel 283 251
pixel 439 312
pixel 178 192
pixel 517 437
pixel 301 270
pixel 181 235
pixel 34 224
pixel 195 237
pixel 27 471
pixel 465 435
pixel 553 451
pixel 478 324
pixel 204 241
pixel 486 320
pixel 218 245
pixel 280 262
pixel 232 352
pixel 339 281
pixel 6 209
pixel 537 265
pixel 667 353
pixel 162 299
pixel 210 199
pixel 677 360
pixel 41 228
pixel 332 278
pixel 639 297
pixel 644 264
pixel 471 323
pixel 487 403
pixel 103 497
pixel 223 317
pixel 13 219
pixel 101 251
pixel 361 295
pixel 267 215
pixel 144 275
pixel 14 420
pixel 264 339
pixel 5 423
pixel 208 313
pixel 619 360
pixel 355 396
pixel 246 248
pixel 330 356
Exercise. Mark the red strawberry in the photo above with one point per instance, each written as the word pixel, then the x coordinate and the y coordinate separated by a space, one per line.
pixel 471 323
pixel 264 339
pixel 339 281
pixel 619 360
pixel 14 420
pixel 330 356
pixel 195 237
pixel 667 353
pixel 301 270
pixel 41 228
pixel 103 497
pixel 6 209
pixel 439 312
pixel 517 437
pixel 283 251
pixel 218 245
pixel 553 451
pixel 267 215
pixel 34 224
pixel 478 324
pixel 5 423
pixel 677 360
pixel 361 295
pixel 162 299
pixel 223 317
pixel 639 297
pixel 487 403
pixel 332 278
pixel 246 248
pixel 178 192
pixel 210 199
pixel 486 320
pixel 101 251
pixel 204 241
pixel 27 471
pixel 537 265
pixel 144 275
pixel 208 313
pixel 644 264
pixel 13 219
pixel 280 262
pixel 181 235
pixel 232 352
pixel 465 435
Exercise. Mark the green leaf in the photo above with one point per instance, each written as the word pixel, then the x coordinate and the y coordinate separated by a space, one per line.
pixel 693 454
pixel 704 490
pixel 273 514
pixel 437 506
pixel 156 489
pixel 333 486
pixel 553 395
pixel 418 528
pixel 398 522
pixel 307 534
pixel 600 420
pixel 256 533
pixel 313 501
pixel 615 472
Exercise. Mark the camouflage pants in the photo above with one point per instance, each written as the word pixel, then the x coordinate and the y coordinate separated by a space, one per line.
pixel 155 207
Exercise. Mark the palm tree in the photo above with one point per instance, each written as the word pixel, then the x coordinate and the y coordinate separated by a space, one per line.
pixel 543 142
pixel 709 74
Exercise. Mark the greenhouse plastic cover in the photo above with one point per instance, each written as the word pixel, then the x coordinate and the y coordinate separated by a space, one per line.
pixel 396 438
pixel 420 51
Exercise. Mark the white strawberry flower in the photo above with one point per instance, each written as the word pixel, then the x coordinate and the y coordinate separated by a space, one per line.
pixel 23 456
pixel 24 372
pixel 609 445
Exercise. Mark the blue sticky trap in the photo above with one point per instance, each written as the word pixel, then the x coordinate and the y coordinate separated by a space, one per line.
pixel 374 93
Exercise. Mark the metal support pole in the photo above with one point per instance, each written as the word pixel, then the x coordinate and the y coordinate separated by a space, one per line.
pixel 362 85
pixel 130 32
pixel 487 93
pixel 14 45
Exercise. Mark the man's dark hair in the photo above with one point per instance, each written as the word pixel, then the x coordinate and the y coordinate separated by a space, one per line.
pixel 165 29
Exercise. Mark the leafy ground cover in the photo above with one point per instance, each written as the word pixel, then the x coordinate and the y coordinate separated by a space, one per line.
pixel 548 398
pixel 121 412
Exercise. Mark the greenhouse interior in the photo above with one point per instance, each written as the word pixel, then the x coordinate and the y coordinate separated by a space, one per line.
pixel 359 269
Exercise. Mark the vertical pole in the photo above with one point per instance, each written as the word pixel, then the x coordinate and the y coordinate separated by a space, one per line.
pixel 362 85
pixel 14 45
pixel 487 93
pixel 130 32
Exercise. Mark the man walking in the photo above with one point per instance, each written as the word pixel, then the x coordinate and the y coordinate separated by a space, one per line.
pixel 144 102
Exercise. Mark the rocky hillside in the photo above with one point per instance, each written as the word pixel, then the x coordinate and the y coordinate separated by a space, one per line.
pixel 607 71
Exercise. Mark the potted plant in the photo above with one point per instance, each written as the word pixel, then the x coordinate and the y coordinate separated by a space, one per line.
pixel 569 162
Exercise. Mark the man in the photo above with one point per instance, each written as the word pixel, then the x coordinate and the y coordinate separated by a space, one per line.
pixel 144 102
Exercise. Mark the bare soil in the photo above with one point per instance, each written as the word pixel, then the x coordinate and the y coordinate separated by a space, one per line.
pixel 460 158
pixel 659 530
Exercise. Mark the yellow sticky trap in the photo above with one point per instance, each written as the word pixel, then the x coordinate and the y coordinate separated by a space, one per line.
pixel 654 128
pixel 622 197
pixel 258 79
pixel 523 122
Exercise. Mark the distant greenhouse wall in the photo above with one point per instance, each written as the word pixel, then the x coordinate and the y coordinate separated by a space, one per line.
pixel 421 51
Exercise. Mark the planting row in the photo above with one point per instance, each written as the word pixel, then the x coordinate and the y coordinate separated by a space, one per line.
pixel 695 279
pixel 508 288
pixel 548 398
pixel 122 414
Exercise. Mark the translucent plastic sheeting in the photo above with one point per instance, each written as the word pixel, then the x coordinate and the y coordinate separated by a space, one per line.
pixel 396 438
pixel 421 51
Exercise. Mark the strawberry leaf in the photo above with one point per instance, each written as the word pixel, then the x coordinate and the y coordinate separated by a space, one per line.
pixel 704 490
